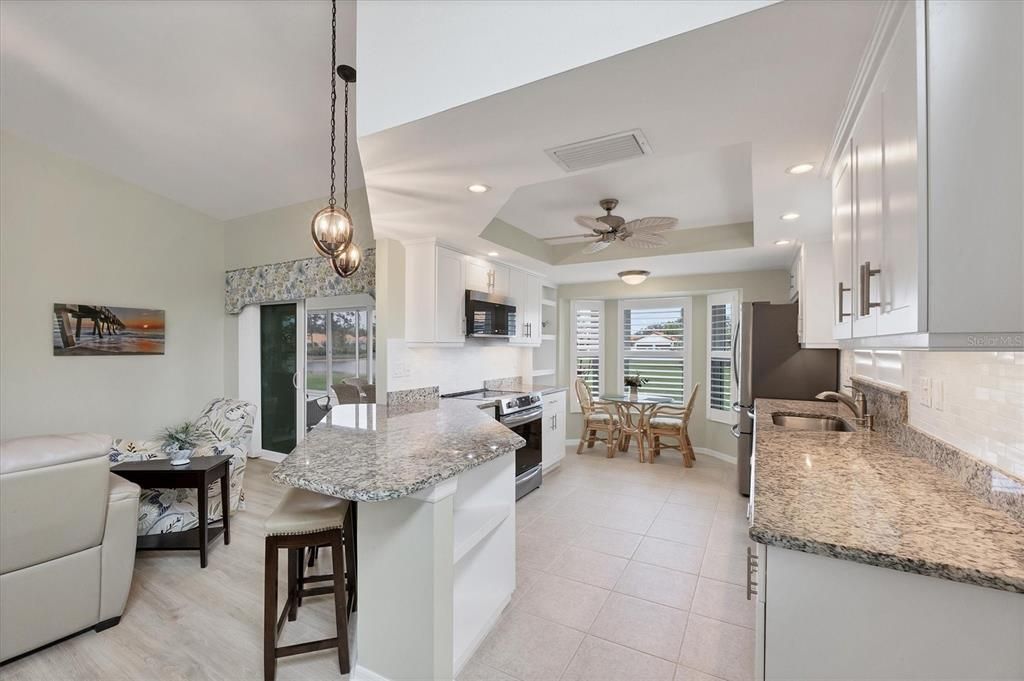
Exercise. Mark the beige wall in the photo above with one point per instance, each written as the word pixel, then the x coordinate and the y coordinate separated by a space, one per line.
pixel 771 286
pixel 69 233
pixel 278 235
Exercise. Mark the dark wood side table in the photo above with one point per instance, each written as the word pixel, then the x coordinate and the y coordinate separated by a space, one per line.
pixel 198 474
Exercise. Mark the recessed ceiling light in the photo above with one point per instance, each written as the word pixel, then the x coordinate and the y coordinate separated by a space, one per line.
pixel 800 168
pixel 634 277
pixel 783 242
pixel 493 254
pixel 478 188
pixel 789 217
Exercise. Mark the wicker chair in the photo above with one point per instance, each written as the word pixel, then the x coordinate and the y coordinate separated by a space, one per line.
pixel 347 394
pixel 597 418
pixel 671 420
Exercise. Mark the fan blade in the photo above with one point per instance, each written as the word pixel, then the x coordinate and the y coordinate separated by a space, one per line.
pixel 650 225
pixel 643 240
pixel 597 246
pixel 569 237
pixel 587 222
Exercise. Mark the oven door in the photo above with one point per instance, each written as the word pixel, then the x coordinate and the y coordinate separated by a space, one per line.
pixel 527 425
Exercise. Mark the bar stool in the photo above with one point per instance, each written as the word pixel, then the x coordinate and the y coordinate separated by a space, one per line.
pixel 305 520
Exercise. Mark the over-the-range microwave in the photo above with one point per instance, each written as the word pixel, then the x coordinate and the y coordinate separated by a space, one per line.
pixel 489 316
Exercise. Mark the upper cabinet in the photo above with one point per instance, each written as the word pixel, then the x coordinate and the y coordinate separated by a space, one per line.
pixel 486 276
pixel 435 290
pixel 525 291
pixel 927 207
pixel 813 270
pixel 436 280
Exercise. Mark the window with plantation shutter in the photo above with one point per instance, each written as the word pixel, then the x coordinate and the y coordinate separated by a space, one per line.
pixel 722 311
pixel 587 344
pixel 656 345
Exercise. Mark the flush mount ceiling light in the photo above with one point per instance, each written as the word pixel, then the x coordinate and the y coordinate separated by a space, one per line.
pixel 800 168
pixel 332 227
pixel 783 242
pixel 478 188
pixel 789 217
pixel 634 277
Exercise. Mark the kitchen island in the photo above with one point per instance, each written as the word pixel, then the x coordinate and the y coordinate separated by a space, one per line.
pixel 435 527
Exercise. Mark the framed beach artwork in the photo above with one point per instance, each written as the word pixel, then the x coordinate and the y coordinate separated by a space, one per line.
pixel 102 330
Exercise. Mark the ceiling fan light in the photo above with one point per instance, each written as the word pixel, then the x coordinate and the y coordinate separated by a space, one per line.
pixel 347 261
pixel 634 277
pixel 331 228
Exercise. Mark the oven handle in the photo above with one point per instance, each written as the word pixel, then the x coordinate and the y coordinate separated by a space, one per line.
pixel 528 475
pixel 513 420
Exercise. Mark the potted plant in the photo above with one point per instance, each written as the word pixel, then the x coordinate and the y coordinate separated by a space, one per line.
pixel 633 383
pixel 179 441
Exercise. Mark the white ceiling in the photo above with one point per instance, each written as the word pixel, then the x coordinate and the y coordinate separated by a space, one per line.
pixel 775 79
pixel 221 106
pixel 419 57
pixel 700 189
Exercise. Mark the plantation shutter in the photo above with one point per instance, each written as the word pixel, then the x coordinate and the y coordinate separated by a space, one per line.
pixel 587 343
pixel 655 343
pixel 722 309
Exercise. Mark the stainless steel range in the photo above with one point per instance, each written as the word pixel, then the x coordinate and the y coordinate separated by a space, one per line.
pixel 521 413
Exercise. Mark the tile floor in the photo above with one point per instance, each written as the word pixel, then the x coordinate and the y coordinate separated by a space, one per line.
pixel 627 572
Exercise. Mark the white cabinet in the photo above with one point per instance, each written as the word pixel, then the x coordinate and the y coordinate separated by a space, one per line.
pixel 486 276
pixel 435 290
pixel 813 268
pixel 553 434
pixel 927 206
pixel 525 291
pixel 820 617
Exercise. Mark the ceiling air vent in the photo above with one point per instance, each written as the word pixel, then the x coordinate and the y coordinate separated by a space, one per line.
pixel 600 150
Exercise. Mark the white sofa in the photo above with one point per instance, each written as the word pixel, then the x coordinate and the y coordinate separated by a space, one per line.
pixel 67 539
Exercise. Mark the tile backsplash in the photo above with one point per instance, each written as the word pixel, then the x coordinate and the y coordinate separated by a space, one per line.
pixel 972 400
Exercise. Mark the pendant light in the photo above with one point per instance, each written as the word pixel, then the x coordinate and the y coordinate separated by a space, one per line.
pixel 332 227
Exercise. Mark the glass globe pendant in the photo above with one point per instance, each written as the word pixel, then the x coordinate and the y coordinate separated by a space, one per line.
pixel 331 227
pixel 346 262
pixel 332 230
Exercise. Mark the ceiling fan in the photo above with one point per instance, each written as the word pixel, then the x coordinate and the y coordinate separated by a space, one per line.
pixel 640 233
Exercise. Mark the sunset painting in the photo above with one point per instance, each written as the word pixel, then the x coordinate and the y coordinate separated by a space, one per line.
pixel 102 330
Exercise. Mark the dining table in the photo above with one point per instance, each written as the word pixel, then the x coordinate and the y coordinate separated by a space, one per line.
pixel 633 411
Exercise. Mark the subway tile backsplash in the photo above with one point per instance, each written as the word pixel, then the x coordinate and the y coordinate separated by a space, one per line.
pixel 976 398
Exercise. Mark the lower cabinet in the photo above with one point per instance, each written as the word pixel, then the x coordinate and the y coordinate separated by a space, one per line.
pixel 826 618
pixel 553 438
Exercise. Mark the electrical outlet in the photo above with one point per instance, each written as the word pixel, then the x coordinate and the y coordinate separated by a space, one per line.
pixel 937 390
pixel 924 390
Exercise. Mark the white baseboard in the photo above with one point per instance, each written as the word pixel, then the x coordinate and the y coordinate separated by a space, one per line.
pixel 360 673
pixel 458 664
pixel 276 457
pixel 728 458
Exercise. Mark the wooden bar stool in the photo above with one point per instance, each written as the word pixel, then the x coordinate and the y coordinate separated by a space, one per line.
pixel 304 520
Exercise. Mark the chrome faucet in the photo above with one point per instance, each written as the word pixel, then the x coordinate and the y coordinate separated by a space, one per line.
pixel 857 404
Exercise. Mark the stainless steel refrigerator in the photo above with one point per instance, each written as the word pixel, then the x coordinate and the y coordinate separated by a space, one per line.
pixel 768 361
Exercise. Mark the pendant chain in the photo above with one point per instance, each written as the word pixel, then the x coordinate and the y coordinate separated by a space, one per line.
pixel 334 100
pixel 345 175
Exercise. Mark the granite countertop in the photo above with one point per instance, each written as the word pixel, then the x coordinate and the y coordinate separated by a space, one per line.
pixel 367 452
pixel 859 496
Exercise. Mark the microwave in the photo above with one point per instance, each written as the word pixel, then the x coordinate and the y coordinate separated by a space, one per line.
pixel 489 316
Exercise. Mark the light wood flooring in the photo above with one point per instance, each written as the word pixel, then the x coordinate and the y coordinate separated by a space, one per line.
pixel 625 571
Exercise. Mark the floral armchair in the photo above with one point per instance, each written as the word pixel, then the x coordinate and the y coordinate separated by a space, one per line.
pixel 225 427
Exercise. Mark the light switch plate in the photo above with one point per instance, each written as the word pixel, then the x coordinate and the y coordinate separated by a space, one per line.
pixel 924 391
pixel 937 390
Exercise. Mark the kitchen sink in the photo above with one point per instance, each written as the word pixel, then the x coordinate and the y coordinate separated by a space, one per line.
pixel 798 422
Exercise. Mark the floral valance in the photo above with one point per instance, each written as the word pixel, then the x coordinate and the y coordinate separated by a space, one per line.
pixel 296 280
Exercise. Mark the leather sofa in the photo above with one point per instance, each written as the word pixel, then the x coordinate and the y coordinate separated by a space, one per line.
pixel 67 539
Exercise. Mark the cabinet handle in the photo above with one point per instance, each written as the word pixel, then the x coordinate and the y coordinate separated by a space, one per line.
pixel 865 288
pixel 554 422
pixel 751 573
pixel 839 308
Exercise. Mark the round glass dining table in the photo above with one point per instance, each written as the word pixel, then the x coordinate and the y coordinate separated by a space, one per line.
pixel 633 412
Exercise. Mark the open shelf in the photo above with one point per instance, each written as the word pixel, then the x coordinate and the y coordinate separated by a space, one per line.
pixel 544 372
pixel 551 303
pixel 472 525
pixel 548 337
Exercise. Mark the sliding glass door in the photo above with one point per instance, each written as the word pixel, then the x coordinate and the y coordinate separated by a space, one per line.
pixel 278 376
pixel 339 345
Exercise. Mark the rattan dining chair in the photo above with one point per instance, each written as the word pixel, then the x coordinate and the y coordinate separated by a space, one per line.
pixel 670 420
pixel 597 418
pixel 347 394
